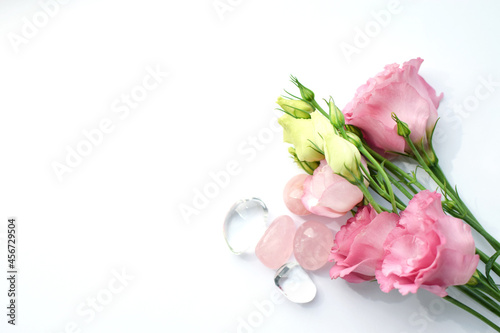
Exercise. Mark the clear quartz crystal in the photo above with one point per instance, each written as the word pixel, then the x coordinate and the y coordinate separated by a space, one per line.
pixel 244 225
pixel 295 283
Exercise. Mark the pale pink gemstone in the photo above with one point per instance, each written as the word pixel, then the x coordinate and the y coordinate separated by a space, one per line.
pixel 292 195
pixel 312 244
pixel 276 246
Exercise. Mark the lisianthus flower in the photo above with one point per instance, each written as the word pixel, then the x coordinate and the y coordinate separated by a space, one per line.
pixel 428 249
pixel 395 90
pixel 292 195
pixel 328 194
pixel 342 156
pixel 358 249
pixel 306 135
pixel 314 139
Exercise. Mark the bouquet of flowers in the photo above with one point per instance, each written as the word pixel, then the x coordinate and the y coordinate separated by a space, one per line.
pixel 401 235
pixel 421 238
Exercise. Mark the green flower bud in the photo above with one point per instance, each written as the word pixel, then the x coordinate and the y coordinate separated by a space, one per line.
pixel 354 139
pixel 403 129
pixel 336 116
pixel 474 280
pixel 306 93
pixel 354 129
pixel 296 108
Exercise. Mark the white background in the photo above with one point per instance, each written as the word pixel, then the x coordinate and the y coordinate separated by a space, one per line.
pixel 119 209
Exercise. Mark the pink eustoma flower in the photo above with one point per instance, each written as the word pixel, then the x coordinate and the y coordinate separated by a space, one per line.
pixel 428 249
pixel 328 194
pixel 399 90
pixel 358 249
pixel 292 195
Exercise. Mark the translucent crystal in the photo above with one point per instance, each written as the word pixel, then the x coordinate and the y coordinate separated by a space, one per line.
pixel 295 283
pixel 312 244
pixel 244 224
pixel 276 246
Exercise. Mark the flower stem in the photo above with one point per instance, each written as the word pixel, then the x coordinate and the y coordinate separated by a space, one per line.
pixel 468 216
pixel 472 312
pixel 485 287
pixel 480 298
pixel 381 171
pixel 484 258
pixel 380 191
pixel 400 187
pixel 451 193
pixel 397 171
pixel 368 196
pixel 319 108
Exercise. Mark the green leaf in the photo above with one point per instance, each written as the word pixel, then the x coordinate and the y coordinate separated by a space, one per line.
pixel 316 148
pixel 380 180
pixel 300 98
pixel 489 266
pixel 398 153
pixel 288 113
pixel 432 133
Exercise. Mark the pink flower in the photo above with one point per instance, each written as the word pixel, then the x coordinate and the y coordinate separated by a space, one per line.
pixel 399 90
pixel 427 250
pixel 292 195
pixel 358 250
pixel 328 194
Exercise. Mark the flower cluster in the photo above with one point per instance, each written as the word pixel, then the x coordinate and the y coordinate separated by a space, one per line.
pixel 424 248
pixel 420 241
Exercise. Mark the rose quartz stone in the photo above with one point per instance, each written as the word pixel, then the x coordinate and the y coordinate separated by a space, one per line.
pixel 292 195
pixel 276 246
pixel 312 244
